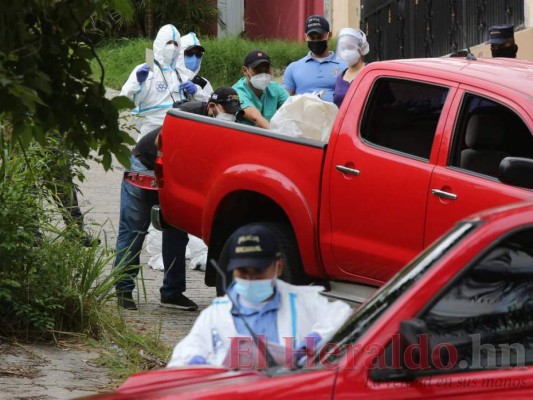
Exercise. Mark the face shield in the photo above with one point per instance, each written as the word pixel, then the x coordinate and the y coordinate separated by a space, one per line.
pixel 351 45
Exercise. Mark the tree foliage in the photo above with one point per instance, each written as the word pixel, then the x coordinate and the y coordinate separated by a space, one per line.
pixel 46 82
pixel 199 16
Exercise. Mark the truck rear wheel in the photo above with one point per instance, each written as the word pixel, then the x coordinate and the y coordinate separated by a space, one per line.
pixel 293 272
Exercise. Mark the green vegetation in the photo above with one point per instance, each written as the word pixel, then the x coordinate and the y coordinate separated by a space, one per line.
pixel 221 64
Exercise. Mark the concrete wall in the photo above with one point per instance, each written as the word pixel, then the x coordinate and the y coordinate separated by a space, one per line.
pixel 345 13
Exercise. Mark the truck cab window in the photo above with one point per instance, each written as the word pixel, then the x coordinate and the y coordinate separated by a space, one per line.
pixel 403 115
pixel 487 132
pixel 487 314
pixel 483 320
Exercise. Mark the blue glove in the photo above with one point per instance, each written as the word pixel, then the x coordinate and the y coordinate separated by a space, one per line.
pixel 309 342
pixel 196 360
pixel 189 87
pixel 306 347
pixel 142 73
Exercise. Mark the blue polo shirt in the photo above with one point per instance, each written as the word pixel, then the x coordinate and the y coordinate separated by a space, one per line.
pixel 262 321
pixel 309 75
pixel 271 99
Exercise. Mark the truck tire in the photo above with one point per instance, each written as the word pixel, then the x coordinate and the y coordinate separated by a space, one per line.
pixel 293 272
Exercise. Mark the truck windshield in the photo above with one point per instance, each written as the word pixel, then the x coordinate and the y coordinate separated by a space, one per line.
pixel 364 317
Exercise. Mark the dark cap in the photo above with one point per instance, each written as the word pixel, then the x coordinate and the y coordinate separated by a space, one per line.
pixel 229 99
pixel 316 23
pixel 256 57
pixel 253 245
pixel 195 47
pixel 499 34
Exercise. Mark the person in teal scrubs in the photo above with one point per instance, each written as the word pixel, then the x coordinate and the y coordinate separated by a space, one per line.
pixel 260 97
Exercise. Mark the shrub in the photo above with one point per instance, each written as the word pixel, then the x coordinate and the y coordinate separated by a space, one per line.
pixel 48 281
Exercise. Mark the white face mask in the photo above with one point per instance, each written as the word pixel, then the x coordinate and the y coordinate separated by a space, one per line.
pixel 226 117
pixel 222 116
pixel 170 52
pixel 351 56
pixel 260 81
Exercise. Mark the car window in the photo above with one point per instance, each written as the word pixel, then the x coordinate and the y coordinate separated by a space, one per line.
pixel 487 132
pixel 402 115
pixel 482 321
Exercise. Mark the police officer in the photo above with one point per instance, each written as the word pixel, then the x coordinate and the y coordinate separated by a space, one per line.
pixel 501 40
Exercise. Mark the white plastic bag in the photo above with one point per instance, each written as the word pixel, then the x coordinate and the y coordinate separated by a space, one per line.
pixel 198 251
pixel 305 115
pixel 154 247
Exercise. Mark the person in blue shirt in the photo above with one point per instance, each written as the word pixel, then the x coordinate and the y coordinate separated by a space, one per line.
pixel 260 97
pixel 293 317
pixel 318 70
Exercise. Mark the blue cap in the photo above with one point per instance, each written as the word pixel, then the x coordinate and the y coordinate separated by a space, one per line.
pixel 253 245
pixel 499 34
pixel 316 23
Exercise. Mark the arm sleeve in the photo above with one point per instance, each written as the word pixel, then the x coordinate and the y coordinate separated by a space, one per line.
pixel 196 343
pixel 245 98
pixel 204 92
pixel 133 89
pixel 288 80
pixel 330 315
pixel 283 95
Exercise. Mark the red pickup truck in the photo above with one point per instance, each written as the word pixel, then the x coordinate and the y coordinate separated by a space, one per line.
pixel 416 146
pixel 457 322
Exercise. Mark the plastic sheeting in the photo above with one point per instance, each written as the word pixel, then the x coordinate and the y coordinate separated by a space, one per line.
pixel 305 115
pixel 196 250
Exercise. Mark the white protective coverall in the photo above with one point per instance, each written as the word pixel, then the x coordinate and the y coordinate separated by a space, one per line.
pixel 302 310
pixel 160 90
pixel 187 41
pixel 154 240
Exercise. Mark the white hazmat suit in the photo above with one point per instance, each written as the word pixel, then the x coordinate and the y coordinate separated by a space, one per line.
pixel 302 310
pixel 160 90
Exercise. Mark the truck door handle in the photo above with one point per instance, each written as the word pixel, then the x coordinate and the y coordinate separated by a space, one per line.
pixel 443 194
pixel 346 170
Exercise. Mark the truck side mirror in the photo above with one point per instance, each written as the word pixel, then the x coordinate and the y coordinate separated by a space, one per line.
pixel 516 171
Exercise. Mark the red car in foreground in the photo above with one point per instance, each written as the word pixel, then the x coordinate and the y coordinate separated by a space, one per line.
pixel 456 322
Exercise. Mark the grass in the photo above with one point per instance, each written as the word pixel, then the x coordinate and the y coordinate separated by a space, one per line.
pixel 221 64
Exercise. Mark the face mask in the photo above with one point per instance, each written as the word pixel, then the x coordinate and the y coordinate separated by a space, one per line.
pixel 317 47
pixel 192 62
pixel 507 52
pixel 351 57
pixel 170 52
pixel 255 291
pixel 225 117
pixel 260 81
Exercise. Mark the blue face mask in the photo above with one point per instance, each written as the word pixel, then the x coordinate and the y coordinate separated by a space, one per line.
pixel 192 62
pixel 255 291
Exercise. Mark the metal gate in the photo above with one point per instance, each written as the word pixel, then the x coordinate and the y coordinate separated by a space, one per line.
pixel 432 28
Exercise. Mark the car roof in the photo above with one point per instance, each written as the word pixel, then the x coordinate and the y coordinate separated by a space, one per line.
pixel 511 73
pixel 523 209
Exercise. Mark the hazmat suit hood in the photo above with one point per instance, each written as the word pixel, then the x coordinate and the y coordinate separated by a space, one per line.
pixel 166 33
pixel 187 41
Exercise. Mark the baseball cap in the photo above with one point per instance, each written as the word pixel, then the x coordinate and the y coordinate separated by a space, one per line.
pixel 253 245
pixel 256 57
pixel 316 23
pixel 228 97
pixel 499 34
pixel 195 47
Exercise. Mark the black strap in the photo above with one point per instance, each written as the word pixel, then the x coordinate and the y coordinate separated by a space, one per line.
pixel 188 97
